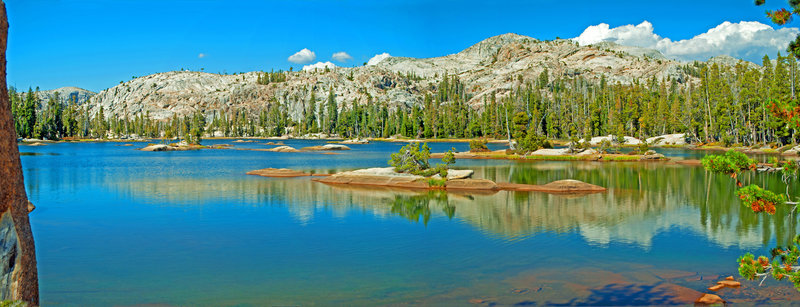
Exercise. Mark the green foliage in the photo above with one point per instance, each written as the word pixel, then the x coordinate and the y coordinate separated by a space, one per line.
pixel 532 142
pixel 449 157
pixel 760 200
pixel 271 77
pixel 605 146
pixel 783 264
pixel 731 163
pixel 727 141
pixel 433 182
pixel 478 145
pixel 643 147
pixel 412 158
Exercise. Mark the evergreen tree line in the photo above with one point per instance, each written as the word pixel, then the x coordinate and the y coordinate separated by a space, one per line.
pixel 729 104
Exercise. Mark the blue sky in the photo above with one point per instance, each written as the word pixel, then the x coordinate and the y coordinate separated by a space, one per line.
pixel 97 44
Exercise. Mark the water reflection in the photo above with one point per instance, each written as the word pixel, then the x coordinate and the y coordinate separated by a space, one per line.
pixel 643 200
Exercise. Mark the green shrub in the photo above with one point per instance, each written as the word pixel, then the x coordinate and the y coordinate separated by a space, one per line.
pixel 532 142
pixel 412 158
pixel 478 145
pixel 732 162
pixel 643 148
pixel 727 141
pixel 432 182
pixel 605 146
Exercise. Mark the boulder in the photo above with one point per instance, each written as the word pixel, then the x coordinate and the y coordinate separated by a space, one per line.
pixel 550 152
pixel 729 283
pixel 792 152
pixel 378 176
pixel 653 156
pixel 243 141
pixel 459 173
pixel 709 299
pixel 157 147
pixel 716 287
pixel 283 149
pixel 278 172
pixel 667 139
pixel 628 140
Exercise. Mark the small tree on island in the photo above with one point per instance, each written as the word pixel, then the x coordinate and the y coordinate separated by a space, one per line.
pixel 413 159
pixel 478 145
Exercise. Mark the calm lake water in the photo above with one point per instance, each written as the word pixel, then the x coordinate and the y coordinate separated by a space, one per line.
pixel 117 226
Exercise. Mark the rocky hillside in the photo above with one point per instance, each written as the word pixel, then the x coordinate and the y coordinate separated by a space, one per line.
pixel 493 65
pixel 66 95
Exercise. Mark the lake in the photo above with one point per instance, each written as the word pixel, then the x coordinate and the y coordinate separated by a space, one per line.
pixel 117 226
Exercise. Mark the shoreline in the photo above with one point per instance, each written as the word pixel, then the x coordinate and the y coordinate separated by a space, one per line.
pixel 762 150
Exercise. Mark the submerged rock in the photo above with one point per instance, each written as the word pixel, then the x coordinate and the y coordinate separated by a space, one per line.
pixel 729 283
pixel 326 147
pixel 355 141
pixel 709 299
pixel 283 149
pixel 278 172
pixel 567 186
pixel 471 184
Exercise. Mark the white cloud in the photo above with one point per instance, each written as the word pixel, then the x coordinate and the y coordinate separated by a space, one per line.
pixel 201 55
pixel 749 40
pixel 378 58
pixel 341 56
pixel 319 65
pixel 303 56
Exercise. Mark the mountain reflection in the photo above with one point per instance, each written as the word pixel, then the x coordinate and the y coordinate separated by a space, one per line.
pixel 643 200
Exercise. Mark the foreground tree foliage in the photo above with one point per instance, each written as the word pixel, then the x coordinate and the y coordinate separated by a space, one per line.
pixel 783 262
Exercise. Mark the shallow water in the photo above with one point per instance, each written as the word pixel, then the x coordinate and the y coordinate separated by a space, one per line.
pixel 117 226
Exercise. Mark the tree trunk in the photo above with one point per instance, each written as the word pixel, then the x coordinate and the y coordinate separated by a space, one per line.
pixel 18 275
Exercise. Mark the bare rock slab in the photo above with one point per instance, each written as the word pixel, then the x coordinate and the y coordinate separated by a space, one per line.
pixel 326 147
pixel 283 149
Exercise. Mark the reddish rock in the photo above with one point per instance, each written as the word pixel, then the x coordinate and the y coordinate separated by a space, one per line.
pixel 729 278
pixel 716 288
pixel 709 299
pixel 729 283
